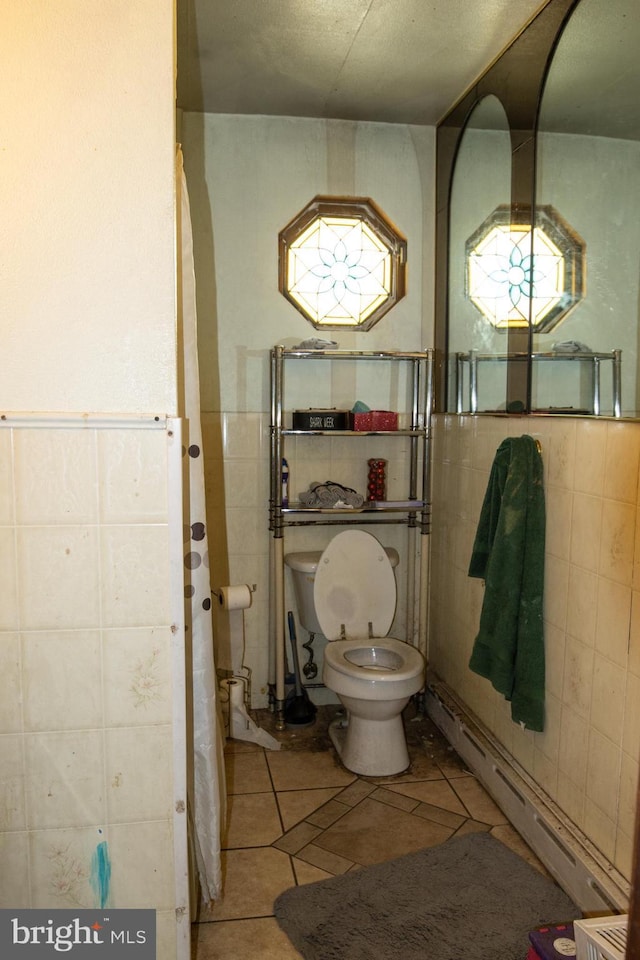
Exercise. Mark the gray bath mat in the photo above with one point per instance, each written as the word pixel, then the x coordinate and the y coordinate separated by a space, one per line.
pixel 470 898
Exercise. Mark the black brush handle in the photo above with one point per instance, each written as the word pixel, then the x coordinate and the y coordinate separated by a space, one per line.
pixel 294 652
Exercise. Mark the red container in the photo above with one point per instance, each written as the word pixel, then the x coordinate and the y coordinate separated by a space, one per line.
pixel 375 420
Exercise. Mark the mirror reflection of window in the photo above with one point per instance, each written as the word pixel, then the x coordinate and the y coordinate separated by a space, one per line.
pixel 511 287
pixel 481 183
pixel 588 167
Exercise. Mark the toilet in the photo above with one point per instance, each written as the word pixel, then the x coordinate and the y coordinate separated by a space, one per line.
pixel 349 592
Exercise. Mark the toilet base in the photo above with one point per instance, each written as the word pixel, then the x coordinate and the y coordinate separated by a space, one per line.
pixel 370 748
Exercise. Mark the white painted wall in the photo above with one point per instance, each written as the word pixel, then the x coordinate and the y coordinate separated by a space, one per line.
pixel 87 279
pixel 248 176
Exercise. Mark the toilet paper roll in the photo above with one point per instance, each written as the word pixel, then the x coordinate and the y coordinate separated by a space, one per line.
pixel 235 689
pixel 232 601
pixel 236 693
pixel 235 597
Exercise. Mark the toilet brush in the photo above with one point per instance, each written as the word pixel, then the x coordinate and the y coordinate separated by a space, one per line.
pixel 299 711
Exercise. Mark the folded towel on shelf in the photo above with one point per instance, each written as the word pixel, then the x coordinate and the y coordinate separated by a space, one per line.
pixel 317 343
pixel 570 346
pixel 508 554
pixel 330 494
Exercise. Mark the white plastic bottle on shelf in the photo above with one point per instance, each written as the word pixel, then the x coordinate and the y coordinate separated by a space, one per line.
pixel 285 483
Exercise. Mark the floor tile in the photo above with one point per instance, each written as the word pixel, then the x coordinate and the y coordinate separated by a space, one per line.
pixel 373 832
pixel 293 770
pixel 445 817
pixel 512 839
pixel 241 746
pixel 437 792
pixel 355 792
pixel 328 814
pixel 399 800
pixel 472 826
pixel 333 863
pixel 477 801
pixel 252 820
pixel 295 805
pixel 298 837
pixel 307 873
pixel 252 879
pixel 247 772
pixel 422 768
pixel 440 752
pixel 242 940
pixel 296 816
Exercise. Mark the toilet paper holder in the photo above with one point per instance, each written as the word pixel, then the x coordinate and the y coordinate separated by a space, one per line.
pixel 235 597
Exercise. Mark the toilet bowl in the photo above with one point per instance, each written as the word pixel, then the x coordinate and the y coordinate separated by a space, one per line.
pixel 373 675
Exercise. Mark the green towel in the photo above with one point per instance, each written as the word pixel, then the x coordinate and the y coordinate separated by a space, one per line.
pixel 508 554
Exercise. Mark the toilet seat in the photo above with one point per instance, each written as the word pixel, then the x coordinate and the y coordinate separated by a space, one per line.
pixel 354 588
pixel 384 660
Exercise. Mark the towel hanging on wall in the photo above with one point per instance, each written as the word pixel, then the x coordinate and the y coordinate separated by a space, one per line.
pixel 508 554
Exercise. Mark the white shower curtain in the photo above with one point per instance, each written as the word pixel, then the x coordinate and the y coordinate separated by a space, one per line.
pixel 207 802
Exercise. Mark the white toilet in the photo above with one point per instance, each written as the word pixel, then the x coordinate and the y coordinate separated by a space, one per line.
pixel 353 602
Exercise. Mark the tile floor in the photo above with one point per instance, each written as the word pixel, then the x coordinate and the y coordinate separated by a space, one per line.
pixel 296 815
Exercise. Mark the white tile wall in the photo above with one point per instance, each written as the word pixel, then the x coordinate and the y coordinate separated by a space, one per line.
pixel 62 680
pixel 58 571
pixel 86 737
pixel 10 671
pixel 587 757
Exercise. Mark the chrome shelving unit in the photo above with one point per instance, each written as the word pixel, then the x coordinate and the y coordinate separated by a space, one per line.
pixel 473 359
pixel 414 511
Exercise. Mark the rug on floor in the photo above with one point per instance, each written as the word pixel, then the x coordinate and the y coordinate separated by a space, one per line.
pixel 469 898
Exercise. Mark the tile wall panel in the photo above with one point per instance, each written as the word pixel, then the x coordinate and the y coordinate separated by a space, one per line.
pixel 587 757
pixel 86 739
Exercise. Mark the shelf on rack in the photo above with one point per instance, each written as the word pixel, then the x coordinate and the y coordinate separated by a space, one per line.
pixel 371 506
pixel 473 359
pixel 351 433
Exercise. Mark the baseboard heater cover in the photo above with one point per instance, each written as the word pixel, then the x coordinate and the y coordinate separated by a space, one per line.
pixel 581 870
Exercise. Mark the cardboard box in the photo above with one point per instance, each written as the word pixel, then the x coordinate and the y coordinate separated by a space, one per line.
pixel 327 419
pixel 375 420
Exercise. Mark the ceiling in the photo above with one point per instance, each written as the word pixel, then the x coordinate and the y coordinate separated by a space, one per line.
pixel 388 61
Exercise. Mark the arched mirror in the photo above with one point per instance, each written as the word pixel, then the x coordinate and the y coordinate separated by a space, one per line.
pixel 588 176
pixel 480 196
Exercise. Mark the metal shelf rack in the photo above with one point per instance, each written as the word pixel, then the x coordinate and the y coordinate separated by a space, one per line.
pixel 414 511
pixel 472 359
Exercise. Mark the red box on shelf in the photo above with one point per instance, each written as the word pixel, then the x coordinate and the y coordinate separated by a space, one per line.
pixel 375 420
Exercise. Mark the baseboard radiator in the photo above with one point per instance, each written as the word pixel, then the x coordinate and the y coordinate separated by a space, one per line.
pixel 574 862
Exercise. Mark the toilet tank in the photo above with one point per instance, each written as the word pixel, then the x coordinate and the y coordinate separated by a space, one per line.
pixel 303 568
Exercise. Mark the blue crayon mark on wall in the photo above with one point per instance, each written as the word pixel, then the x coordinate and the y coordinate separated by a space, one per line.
pixel 101 873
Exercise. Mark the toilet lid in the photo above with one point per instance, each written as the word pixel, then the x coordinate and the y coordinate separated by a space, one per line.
pixel 354 586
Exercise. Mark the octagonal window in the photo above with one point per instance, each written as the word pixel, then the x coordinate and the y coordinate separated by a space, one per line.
pixel 342 263
pixel 516 274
